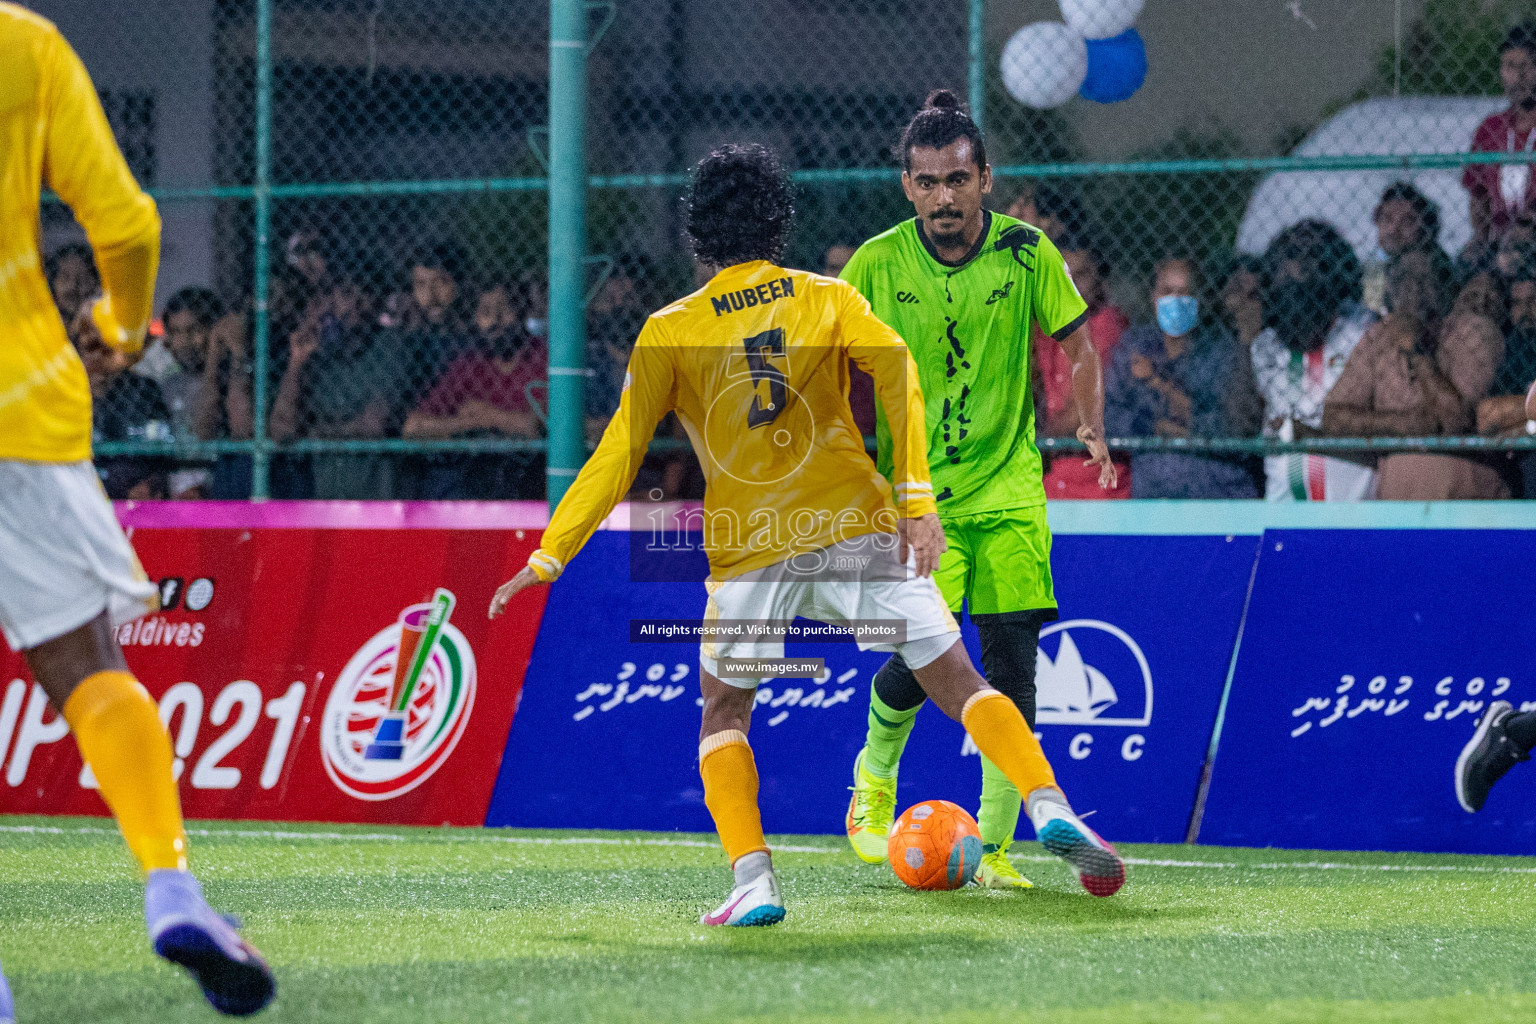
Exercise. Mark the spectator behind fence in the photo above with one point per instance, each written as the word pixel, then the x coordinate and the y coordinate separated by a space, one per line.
pixel 1065 475
pixel 1504 413
pixel 1407 221
pixel 496 389
pixel 306 255
pixel 124 407
pixel 230 409
pixel 431 331
pixel 861 386
pixel 1313 321
pixel 1178 378
pixel 1052 208
pixel 836 258
pixel 536 292
pixel 1516 246
pixel 72 278
pixel 432 327
pixel 1419 373
pixel 1242 300
pixel 1498 193
pixel 178 362
pixel 614 319
pixel 345 380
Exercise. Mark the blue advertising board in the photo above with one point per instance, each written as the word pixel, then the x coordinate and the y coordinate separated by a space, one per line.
pixel 1128 682
pixel 608 730
pixel 1366 661
pixel 1130 677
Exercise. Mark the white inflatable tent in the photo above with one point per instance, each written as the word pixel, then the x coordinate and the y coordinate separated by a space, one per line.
pixel 1346 199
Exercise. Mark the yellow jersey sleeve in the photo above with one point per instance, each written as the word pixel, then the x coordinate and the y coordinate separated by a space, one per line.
pixel 880 352
pixel 81 162
pixel 605 479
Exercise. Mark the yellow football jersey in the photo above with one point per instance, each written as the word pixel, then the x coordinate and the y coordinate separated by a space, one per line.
pixel 755 364
pixel 53 130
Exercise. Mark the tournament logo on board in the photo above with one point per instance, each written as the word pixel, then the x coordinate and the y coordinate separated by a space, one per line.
pixel 1099 676
pixel 399 707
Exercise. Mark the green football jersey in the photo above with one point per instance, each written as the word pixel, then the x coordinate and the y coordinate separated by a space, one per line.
pixel 968 327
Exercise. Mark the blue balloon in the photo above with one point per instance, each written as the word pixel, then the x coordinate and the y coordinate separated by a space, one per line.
pixel 1116 68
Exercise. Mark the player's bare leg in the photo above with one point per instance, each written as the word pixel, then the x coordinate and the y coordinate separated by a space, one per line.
pixel 999 729
pixel 119 732
pixel 730 793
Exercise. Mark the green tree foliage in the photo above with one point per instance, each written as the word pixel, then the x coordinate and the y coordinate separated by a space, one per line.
pixel 1452 49
pixel 1155 215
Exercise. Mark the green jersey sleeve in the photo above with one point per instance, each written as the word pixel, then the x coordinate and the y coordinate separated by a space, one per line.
pixel 1057 304
pixel 856 272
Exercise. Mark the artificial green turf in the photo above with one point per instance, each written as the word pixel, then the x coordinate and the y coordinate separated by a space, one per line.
pixel 391 925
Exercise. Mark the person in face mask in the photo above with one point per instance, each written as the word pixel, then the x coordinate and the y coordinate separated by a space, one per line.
pixel 1313 321
pixel 1175 378
pixel 1499 193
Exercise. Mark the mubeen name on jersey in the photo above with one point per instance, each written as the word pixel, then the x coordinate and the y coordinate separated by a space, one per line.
pixel 744 298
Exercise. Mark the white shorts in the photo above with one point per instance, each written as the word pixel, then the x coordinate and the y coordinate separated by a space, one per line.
pixel 880 589
pixel 63 557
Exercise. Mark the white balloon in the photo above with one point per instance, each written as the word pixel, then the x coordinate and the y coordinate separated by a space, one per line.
pixel 1101 19
pixel 1044 64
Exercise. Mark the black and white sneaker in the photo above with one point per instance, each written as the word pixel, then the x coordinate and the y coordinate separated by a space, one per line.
pixel 1486 757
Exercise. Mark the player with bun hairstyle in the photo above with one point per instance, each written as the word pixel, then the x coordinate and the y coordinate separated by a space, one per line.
pixel 755 364
pixel 963 285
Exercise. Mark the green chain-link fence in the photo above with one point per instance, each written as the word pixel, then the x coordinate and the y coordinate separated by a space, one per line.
pixel 452 285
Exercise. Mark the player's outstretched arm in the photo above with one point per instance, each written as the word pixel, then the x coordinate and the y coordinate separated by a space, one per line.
pixel 608 474
pixel 1088 394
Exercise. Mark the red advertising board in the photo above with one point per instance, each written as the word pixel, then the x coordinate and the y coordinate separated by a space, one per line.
pixel 345 675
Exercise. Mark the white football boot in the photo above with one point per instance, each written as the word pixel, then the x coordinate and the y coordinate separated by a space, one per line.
pixel 755 900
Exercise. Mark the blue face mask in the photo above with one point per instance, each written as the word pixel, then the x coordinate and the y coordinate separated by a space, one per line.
pixel 1176 314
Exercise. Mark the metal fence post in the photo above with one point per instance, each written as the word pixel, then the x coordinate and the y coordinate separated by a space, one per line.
pixel 567 242
pixel 261 446
pixel 977 63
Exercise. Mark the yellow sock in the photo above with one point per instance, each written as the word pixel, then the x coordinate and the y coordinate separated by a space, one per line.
pixel 1002 734
pixel 120 736
pixel 730 792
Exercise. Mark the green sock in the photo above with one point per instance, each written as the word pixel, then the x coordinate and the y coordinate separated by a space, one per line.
pixel 887 738
pixel 1000 806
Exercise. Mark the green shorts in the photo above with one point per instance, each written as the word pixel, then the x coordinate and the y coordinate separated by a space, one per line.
pixel 997 562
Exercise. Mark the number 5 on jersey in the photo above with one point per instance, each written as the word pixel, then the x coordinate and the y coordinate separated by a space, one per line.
pixel 761 348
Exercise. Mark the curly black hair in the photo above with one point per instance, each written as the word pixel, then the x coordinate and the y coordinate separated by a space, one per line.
pixel 1328 260
pixel 739 206
pixel 941 121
